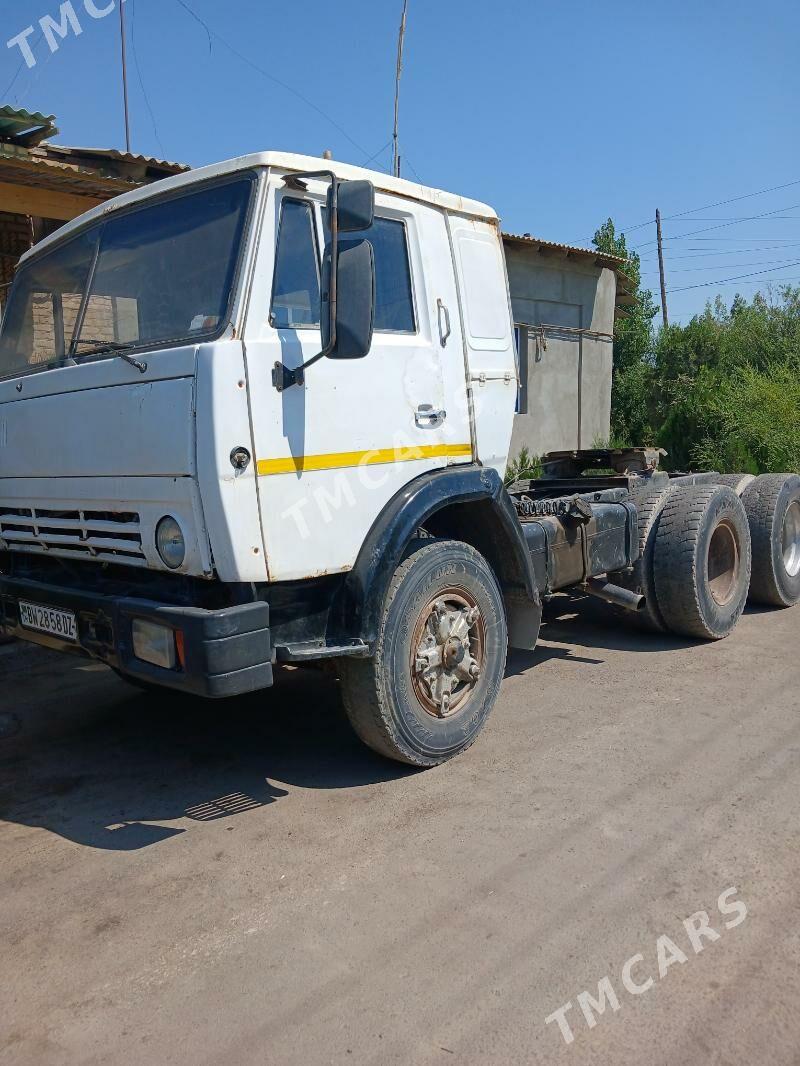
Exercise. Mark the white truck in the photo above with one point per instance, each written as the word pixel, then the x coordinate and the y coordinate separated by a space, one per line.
pixel 261 412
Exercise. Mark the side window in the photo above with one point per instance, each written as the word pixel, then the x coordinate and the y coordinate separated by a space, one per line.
pixel 295 288
pixel 394 299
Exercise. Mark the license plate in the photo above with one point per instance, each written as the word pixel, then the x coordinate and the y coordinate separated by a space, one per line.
pixel 49 620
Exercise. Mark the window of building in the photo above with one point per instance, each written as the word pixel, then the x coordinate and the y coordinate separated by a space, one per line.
pixel 295 288
pixel 521 343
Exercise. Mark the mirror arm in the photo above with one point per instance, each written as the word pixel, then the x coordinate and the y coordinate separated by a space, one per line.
pixel 282 376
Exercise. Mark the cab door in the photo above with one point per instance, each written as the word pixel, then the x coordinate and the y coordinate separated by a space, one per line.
pixel 331 452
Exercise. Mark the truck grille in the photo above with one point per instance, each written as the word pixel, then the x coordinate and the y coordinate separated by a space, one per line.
pixel 106 536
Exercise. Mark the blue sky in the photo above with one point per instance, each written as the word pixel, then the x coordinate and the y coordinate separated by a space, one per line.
pixel 557 114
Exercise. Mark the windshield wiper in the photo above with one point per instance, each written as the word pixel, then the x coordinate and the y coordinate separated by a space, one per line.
pixel 116 348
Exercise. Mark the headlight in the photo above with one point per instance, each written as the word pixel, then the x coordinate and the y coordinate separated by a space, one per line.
pixel 170 543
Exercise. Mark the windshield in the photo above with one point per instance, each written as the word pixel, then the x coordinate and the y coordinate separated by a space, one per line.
pixel 157 275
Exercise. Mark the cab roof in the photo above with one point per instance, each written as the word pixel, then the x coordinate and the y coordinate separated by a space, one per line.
pixel 283 161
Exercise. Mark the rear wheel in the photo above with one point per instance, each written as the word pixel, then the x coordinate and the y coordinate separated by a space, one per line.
pixel 428 690
pixel 640 579
pixel 701 563
pixel 737 482
pixel 772 503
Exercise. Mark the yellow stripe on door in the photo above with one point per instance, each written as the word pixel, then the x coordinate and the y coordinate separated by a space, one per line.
pixel 297 464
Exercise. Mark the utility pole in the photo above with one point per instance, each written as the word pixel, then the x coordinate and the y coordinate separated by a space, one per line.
pixel 121 6
pixel 399 71
pixel 661 269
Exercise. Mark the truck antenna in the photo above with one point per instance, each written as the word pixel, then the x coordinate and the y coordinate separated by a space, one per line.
pixel 398 72
pixel 124 77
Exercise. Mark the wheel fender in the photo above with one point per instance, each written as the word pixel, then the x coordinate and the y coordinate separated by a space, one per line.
pixel 411 508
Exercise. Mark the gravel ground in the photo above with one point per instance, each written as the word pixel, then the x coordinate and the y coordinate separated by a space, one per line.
pixel 244 883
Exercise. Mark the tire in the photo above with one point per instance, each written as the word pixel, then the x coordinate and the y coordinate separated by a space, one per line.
pixel 737 482
pixel 702 561
pixel 401 710
pixel 772 503
pixel 648 507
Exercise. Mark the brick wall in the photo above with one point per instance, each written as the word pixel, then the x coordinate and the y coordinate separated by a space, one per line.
pixel 15 238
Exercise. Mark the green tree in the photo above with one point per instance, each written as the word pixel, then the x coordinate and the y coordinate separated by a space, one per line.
pixel 632 414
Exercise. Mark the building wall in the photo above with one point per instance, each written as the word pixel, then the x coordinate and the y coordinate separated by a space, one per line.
pixel 15 238
pixel 566 367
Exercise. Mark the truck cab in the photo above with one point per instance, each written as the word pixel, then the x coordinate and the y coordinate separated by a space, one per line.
pixel 261 414
pixel 188 491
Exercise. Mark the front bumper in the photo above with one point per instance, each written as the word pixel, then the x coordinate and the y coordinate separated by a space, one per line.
pixel 226 652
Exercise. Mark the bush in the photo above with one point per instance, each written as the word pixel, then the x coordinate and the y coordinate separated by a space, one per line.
pixel 523 467
pixel 754 422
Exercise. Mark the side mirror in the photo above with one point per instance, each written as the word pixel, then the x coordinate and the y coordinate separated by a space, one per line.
pixel 355 300
pixel 355 205
pixel 348 277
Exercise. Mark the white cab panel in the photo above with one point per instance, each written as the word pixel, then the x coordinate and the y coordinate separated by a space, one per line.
pixel 488 335
pixel 333 451
pixel 230 499
pixel 101 419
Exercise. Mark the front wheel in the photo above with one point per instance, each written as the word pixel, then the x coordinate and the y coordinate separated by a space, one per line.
pixel 439 660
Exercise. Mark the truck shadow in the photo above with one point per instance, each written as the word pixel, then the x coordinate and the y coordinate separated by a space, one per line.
pixel 131 762
pixel 575 621
pixel 588 622
pixel 184 761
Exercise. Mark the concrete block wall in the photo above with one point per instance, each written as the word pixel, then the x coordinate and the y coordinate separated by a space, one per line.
pixel 561 304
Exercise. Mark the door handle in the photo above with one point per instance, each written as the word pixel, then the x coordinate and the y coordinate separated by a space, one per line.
pixel 427 418
pixel 444 322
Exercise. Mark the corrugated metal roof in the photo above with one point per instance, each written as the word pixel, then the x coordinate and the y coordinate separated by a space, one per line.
pixel 17 121
pixel 23 168
pixel 569 249
pixel 30 118
pixel 122 157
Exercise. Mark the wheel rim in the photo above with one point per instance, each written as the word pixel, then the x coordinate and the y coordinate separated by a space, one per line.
pixel 447 652
pixel 790 539
pixel 723 564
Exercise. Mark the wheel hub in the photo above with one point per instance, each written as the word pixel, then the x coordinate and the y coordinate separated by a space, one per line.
pixel 453 652
pixel 447 650
pixel 723 564
pixel 790 539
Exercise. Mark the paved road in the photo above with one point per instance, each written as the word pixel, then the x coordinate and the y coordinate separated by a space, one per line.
pixel 246 884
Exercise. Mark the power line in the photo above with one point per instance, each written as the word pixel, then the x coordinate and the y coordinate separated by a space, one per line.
pixel 722 225
pixel 738 240
pixel 770 281
pixel 729 251
pixel 413 170
pixel 376 155
pixel 733 200
pixel 739 277
pixel 271 77
pixel 22 63
pixel 742 218
pixel 726 266
pixel 141 80
pixel 706 207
